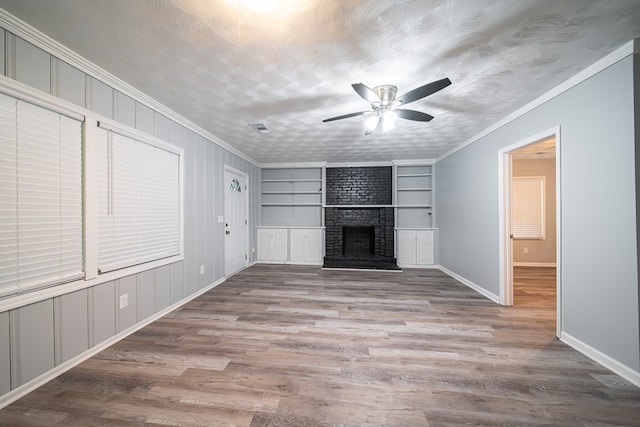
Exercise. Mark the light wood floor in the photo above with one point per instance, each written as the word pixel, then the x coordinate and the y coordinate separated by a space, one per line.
pixel 300 346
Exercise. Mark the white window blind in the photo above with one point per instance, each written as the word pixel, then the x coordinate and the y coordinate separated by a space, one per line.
pixel 527 207
pixel 40 197
pixel 138 201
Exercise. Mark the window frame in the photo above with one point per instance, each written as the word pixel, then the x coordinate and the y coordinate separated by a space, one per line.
pixel 538 228
pixel 89 121
pixel 138 136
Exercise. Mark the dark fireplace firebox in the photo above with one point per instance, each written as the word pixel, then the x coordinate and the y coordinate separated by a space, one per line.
pixel 358 241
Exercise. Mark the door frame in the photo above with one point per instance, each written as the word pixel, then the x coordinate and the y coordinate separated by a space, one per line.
pixel 504 218
pixel 233 170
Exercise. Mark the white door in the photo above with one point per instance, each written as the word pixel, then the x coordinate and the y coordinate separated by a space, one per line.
pixel 235 221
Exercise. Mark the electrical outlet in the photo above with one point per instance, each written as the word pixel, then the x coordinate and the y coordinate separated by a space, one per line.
pixel 202 269
pixel 124 301
pixel 253 250
pixel 526 250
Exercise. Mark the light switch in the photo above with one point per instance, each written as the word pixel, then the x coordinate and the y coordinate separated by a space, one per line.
pixel 220 219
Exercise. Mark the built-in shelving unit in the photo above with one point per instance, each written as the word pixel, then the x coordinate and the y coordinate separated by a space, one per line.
pixel 291 197
pixel 291 216
pixel 414 196
pixel 415 227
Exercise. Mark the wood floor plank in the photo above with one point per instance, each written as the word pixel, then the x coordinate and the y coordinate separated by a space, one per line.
pixel 301 346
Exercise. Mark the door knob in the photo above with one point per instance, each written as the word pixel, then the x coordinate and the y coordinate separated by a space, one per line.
pixel 227 232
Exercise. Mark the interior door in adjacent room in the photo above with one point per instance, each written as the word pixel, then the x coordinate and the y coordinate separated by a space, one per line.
pixel 530 223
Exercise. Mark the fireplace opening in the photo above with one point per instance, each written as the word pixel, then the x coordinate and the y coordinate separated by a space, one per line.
pixel 358 242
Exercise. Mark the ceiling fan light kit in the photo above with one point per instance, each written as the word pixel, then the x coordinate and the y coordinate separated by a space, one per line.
pixel 384 105
pixel 262 6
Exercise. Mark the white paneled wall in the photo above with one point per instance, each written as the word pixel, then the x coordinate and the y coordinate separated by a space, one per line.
pixel 5 355
pixel 38 337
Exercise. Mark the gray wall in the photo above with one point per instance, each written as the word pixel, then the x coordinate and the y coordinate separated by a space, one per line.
pixel 599 270
pixel 38 337
pixel 540 250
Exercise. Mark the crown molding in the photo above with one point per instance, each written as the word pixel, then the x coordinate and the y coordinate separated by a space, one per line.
pixel 32 35
pixel 412 162
pixel 358 164
pixel 292 165
pixel 617 55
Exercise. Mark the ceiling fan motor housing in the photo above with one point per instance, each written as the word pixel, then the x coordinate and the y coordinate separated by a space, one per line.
pixel 386 93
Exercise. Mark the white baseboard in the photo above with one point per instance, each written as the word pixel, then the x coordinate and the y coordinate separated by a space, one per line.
pixel 534 264
pixel 470 284
pixel 289 262
pixel 424 266
pixel 30 386
pixel 607 361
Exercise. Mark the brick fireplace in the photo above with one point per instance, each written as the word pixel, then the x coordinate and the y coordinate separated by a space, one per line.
pixel 359 218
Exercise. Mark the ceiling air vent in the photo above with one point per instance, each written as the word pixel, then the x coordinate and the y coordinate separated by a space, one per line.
pixel 260 127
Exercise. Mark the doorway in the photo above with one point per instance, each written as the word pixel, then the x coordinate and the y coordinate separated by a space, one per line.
pixel 235 221
pixel 530 224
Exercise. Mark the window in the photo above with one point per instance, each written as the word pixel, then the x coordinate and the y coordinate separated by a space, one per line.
pixel 235 186
pixel 138 200
pixel 40 197
pixel 527 207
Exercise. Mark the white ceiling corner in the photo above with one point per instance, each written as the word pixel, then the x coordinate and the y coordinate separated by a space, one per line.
pixel 222 66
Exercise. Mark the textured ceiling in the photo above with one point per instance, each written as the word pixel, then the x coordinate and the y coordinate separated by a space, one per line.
pixel 222 66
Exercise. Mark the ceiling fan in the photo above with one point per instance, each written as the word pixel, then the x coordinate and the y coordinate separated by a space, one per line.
pixel 384 105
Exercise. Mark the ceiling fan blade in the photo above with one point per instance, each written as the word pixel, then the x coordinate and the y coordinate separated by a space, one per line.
pixel 366 92
pixel 413 115
pixel 344 116
pixel 422 91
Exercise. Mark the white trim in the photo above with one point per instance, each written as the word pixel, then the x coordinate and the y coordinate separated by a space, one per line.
pixel 133 133
pixel 32 35
pixel 470 284
pixel 505 243
pixel 317 263
pixel 293 165
pixel 29 94
pixel 279 262
pixel 359 164
pixel 415 228
pixel 20 300
pixel 505 248
pixel 535 264
pixel 617 55
pixel 607 361
pixel 90 198
pixel 290 227
pixel 422 266
pixel 559 321
pixel 28 387
pixel 413 162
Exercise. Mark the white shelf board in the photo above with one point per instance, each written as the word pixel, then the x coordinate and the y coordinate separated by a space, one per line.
pixel 291 192
pixel 292 180
pixel 292 204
